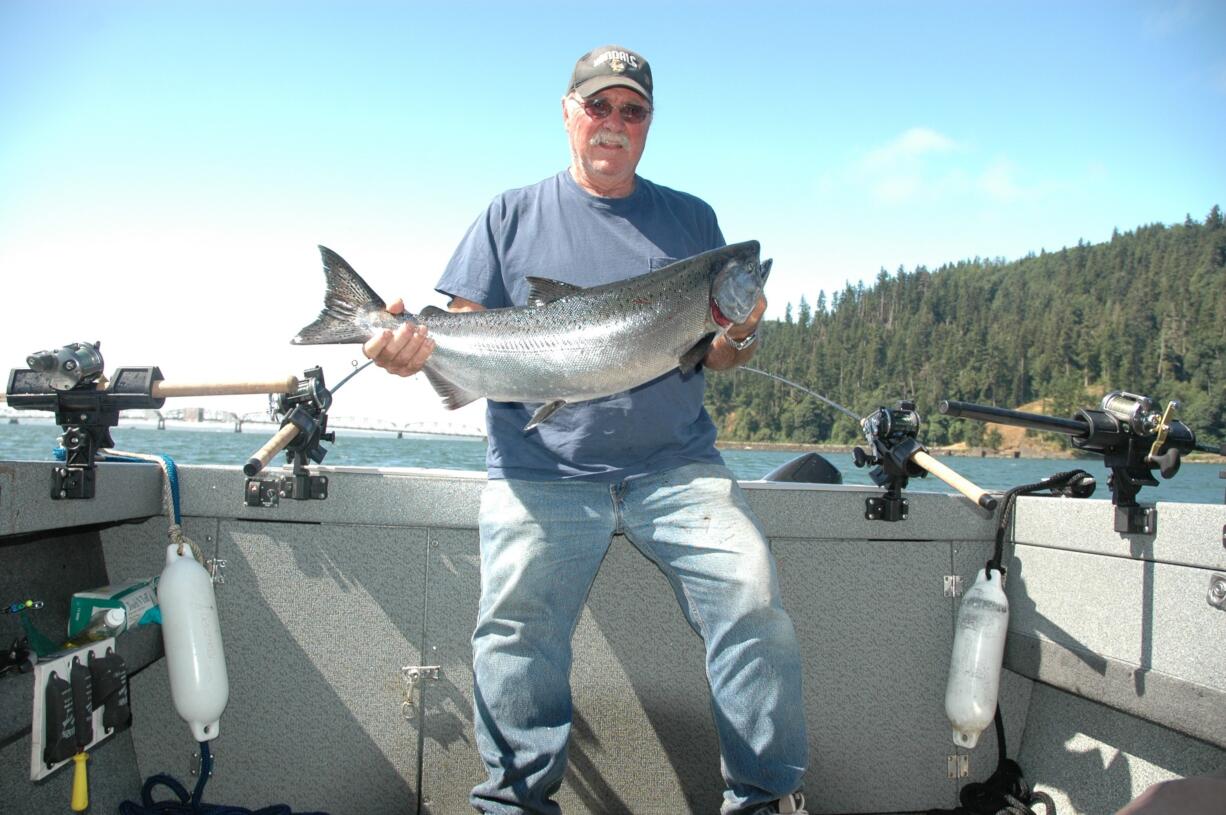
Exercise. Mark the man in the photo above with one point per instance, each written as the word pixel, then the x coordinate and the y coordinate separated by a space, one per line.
pixel 642 463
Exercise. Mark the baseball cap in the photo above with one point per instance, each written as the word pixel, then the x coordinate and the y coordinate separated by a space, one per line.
pixel 611 66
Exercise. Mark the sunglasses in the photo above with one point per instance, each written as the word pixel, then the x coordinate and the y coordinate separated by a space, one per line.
pixel 600 108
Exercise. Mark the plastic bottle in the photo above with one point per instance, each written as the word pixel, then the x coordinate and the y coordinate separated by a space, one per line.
pixel 192 638
pixel 978 652
pixel 104 624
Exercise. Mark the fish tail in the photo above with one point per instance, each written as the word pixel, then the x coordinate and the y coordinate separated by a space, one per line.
pixel 347 299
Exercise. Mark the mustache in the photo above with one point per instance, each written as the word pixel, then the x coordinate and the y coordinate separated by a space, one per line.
pixel 607 137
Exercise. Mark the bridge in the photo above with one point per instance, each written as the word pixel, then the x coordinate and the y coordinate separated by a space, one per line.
pixel 188 418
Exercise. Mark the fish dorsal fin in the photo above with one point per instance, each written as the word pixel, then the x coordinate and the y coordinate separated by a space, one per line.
pixel 542 290
pixel 433 311
pixel 692 358
pixel 453 396
pixel 544 412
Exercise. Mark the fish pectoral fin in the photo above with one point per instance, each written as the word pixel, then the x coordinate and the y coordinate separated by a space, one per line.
pixel 765 270
pixel 432 311
pixel 542 290
pixel 692 358
pixel 544 412
pixel 453 395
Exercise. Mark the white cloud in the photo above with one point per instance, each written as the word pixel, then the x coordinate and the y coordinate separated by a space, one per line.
pixel 923 166
pixel 998 182
pixel 908 148
pixel 906 168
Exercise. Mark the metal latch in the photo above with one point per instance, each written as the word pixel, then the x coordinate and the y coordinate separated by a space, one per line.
pixel 953 585
pixel 959 766
pixel 410 675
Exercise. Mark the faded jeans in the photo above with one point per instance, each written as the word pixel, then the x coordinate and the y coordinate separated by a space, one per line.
pixel 541 545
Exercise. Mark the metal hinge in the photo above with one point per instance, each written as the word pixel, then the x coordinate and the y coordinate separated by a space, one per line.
pixel 953 585
pixel 959 766
pixel 217 570
pixel 410 675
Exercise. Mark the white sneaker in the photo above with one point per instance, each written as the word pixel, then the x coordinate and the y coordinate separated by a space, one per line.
pixel 793 804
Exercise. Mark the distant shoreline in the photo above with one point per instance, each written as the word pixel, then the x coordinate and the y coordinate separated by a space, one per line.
pixel 1027 451
pixel 954 450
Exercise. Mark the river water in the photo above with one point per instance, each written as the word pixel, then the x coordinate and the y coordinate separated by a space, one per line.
pixel 1194 483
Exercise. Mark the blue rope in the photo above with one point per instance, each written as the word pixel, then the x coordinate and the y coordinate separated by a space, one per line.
pixel 192 804
pixel 172 475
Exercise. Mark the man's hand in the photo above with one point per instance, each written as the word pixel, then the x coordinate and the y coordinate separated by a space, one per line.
pixel 402 352
pixel 722 355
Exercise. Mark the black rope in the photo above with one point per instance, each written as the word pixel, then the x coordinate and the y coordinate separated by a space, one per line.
pixel 192 804
pixel 1074 483
pixel 1006 792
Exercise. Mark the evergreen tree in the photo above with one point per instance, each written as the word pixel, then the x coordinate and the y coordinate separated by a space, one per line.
pixel 1144 312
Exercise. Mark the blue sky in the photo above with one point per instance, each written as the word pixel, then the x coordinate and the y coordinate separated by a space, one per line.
pixel 179 161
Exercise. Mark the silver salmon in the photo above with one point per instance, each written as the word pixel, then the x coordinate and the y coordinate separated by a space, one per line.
pixel 569 344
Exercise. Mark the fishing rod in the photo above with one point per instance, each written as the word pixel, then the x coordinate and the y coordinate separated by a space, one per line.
pixel 304 409
pixel 856 418
pixel 1132 433
pixel 69 382
pixel 895 454
pixel 76 369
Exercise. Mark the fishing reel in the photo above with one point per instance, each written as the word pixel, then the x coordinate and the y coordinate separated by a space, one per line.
pixel 1132 434
pixel 307 409
pixel 304 428
pixel 892 435
pixel 69 382
pixel 74 365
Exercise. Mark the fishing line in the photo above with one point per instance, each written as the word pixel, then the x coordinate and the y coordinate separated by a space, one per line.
pixel 354 373
pixel 830 402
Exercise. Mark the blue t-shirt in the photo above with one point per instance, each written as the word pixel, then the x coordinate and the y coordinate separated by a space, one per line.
pixel 557 230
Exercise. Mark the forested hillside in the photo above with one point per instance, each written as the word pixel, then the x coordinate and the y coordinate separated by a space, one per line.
pixel 1144 312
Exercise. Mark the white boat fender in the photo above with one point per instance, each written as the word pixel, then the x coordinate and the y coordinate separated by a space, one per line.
pixel 191 635
pixel 978 653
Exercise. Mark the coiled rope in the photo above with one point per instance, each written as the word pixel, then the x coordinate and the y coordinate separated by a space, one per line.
pixel 193 804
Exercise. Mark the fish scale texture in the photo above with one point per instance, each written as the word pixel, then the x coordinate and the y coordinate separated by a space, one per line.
pixel 584 346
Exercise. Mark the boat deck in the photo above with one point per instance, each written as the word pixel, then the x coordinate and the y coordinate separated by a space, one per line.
pixel 1115 675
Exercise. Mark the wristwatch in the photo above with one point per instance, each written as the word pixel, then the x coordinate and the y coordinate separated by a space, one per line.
pixel 741 345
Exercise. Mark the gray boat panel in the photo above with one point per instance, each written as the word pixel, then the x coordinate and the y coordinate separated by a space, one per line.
pixel 1115 617
pixel 123 491
pixel 1092 759
pixel 317 622
pixel 325 601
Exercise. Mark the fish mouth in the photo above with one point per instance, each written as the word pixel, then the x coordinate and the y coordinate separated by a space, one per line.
pixel 735 292
pixel 718 315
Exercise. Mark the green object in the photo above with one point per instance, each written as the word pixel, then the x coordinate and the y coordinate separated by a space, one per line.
pixel 135 597
pixel 39 644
